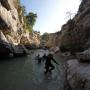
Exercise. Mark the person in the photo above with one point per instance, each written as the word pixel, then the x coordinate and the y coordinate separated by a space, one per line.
pixel 44 57
pixel 48 64
pixel 38 58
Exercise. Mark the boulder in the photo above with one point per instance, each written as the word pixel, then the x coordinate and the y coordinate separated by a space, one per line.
pixel 19 50
pixel 78 75
pixel 10 50
pixel 84 56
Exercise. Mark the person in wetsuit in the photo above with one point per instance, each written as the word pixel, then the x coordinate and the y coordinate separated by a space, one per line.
pixel 38 58
pixel 44 57
pixel 48 64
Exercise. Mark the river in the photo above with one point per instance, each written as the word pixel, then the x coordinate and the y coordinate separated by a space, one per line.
pixel 26 74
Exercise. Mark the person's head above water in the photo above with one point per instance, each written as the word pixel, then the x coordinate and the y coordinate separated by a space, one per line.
pixel 38 55
pixel 44 54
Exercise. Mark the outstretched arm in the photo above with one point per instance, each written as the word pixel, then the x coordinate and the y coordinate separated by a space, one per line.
pixel 55 61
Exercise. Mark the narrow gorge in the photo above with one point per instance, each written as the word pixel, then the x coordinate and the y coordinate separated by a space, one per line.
pixel 70 47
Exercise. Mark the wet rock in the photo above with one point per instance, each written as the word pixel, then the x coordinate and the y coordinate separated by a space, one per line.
pixel 5 49
pixel 78 75
pixel 8 49
pixel 19 50
pixel 31 46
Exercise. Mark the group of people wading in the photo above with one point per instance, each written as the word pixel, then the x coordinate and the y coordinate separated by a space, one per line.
pixel 48 59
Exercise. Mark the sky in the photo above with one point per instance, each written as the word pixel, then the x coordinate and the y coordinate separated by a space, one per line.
pixel 51 14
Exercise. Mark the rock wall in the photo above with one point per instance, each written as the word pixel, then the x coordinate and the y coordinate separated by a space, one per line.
pixel 31 39
pixel 51 39
pixel 78 75
pixel 12 32
pixel 11 22
pixel 76 32
pixel 79 29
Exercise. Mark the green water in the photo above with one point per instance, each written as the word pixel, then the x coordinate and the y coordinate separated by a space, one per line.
pixel 25 74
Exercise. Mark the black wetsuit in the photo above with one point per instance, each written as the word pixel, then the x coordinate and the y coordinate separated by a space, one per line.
pixel 39 59
pixel 48 65
pixel 44 57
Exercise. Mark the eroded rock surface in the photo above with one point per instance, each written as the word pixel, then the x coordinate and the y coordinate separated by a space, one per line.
pixel 78 75
pixel 12 27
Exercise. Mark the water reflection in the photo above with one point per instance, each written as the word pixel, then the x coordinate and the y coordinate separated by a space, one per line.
pixel 25 74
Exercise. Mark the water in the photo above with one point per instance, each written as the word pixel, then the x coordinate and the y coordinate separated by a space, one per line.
pixel 26 74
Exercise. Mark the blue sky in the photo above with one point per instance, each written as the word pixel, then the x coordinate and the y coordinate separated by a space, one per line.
pixel 51 13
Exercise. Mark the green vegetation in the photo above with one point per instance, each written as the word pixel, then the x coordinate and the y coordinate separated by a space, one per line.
pixel 45 36
pixel 29 19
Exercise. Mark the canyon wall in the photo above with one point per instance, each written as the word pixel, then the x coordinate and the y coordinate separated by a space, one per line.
pixel 12 31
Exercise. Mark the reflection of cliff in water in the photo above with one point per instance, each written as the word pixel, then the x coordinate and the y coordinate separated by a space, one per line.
pixel 24 73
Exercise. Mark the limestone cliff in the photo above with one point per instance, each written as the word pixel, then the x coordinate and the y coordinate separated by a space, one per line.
pixel 75 34
pixel 78 32
pixel 11 21
pixel 75 37
pixel 12 25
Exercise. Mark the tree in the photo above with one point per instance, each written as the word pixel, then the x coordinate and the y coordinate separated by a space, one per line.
pixel 45 36
pixel 69 15
pixel 23 10
pixel 31 18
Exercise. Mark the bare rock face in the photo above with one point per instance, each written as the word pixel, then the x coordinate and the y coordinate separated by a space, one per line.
pixel 30 40
pixel 82 23
pixel 76 32
pixel 51 40
pixel 2 37
pixel 78 75
pixel 9 19
pixel 11 29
